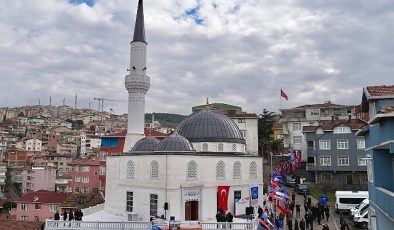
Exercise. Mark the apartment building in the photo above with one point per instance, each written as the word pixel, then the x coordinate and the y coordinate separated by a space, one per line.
pixel 85 175
pixel 38 178
pixel 309 115
pixel 335 156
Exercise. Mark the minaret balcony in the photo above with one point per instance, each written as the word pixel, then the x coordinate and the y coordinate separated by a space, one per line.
pixel 137 83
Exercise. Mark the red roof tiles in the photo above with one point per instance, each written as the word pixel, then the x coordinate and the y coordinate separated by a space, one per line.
pixel 43 196
pixel 381 90
pixel 86 161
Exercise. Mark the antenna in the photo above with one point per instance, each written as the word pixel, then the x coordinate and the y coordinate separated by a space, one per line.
pixel 75 102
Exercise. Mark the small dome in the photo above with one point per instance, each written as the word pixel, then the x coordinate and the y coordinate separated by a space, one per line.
pixel 210 126
pixel 146 144
pixel 174 143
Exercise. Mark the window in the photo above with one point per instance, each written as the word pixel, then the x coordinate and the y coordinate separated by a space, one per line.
pixel 85 179
pixel 296 126
pixel 342 144
pixel 38 206
pixel 154 170
pixel 85 168
pixel 253 170
pixel 76 168
pixel 103 169
pixel 130 170
pixel 205 147
pixel 76 189
pixel 129 202
pixel 153 205
pixel 361 160
pixel 191 173
pixel 234 147
pixel 370 171
pixel 326 177
pixel 36 218
pixel 342 129
pixel 81 200
pixel 220 147
pixel 241 120
pixel 24 218
pixel 360 144
pixel 349 179
pixel 243 133
pixel 311 145
pixel 24 206
pixel 363 178
pixel 297 139
pixel 237 170
pixel 343 161
pixel 53 207
pixel 77 179
pixel 315 112
pixel 325 161
pixel 220 170
pixel 324 144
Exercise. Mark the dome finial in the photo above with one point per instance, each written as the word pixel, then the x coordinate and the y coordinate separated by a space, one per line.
pixel 207 105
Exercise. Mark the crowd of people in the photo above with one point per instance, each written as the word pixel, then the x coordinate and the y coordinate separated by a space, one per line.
pixel 70 215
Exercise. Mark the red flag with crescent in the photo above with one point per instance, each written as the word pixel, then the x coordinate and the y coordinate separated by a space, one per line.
pixel 223 197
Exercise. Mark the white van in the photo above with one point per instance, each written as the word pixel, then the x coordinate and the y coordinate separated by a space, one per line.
pixel 362 220
pixel 360 207
pixel 346 200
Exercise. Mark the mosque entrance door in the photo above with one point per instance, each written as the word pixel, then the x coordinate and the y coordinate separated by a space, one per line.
pixel 191 210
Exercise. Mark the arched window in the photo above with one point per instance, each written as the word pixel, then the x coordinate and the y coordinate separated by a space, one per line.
pixel 220 170
pixel 130 170
pixel 234 147
pixel 237 170
pixel 253 170
pixel 191 171
pixel 220 147
pixel 154 170
pixel 205 147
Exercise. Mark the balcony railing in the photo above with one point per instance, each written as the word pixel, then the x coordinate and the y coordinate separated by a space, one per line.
pixel 137 225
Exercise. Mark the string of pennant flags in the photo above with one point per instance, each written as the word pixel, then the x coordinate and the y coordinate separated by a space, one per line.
pixel 279 199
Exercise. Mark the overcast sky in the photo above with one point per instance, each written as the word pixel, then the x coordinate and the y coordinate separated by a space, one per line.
pixel 240 52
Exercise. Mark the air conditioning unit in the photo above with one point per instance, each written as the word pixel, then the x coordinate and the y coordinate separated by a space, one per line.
pixel 132 217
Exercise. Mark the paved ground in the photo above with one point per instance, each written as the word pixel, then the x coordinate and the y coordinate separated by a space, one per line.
pixel 333 222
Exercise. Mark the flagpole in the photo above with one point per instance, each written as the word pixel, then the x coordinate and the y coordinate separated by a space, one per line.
pixel 280 100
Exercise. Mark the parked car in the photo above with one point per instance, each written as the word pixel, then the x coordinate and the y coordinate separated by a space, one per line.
pixel 301 189
pixel 290 180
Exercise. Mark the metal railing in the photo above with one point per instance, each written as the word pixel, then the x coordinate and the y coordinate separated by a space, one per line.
pixel 135 225
pixel 93 209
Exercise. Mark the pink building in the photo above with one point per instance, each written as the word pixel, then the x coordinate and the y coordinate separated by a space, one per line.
pixel 38 178
pixel 84 175
pixel 38 206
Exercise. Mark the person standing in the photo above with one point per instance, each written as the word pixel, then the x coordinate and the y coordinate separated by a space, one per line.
pixel 70 215
pixel 298 210
pixel 260 211
pixel 229 217
pixel 65 215
pixel 318 215
pixel 302 224
pixel 293 197
pixel 296 224
pixel 289 224
pixel 57 216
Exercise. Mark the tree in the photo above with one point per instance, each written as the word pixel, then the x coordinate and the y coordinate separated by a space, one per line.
pixel 266 121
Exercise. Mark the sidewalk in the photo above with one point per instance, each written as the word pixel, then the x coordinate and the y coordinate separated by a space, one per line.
pixel 300 200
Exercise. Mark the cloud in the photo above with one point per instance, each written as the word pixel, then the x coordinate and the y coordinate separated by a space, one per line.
pixel 236 52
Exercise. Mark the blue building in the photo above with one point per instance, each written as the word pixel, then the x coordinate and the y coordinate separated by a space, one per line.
pixel 378 101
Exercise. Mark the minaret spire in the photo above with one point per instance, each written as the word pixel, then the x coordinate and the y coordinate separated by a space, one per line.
pixel 139 29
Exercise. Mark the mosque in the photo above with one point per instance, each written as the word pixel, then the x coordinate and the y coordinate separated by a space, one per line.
pixel 203 166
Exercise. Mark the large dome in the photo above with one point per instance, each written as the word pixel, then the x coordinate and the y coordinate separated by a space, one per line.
pixel 175 143
pixel 210 126
pixel 146 144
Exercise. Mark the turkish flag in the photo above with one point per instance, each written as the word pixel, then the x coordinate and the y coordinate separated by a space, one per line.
pixel 283 94
pixel 223 197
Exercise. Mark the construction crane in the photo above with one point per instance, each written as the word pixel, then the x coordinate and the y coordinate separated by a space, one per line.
pixel 101 102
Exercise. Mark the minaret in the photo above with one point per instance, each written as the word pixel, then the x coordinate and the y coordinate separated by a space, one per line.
pixel 137 83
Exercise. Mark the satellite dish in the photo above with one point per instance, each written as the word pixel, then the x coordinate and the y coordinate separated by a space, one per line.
pixel 35 198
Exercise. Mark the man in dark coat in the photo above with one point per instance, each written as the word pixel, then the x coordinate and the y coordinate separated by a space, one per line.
pixel 70 215
pixel 327 210
pixel 318 215
pixel 260 211
pixel 302 224
pixel 293 197
pixel 289 224
pixel 298 210
pixel 229 217
pixel 296 225
pixel 65 215
pixel 57 216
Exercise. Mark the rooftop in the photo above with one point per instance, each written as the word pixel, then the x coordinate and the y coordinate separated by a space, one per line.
pixel 381 90
pixel 354 124
pixel 25 225
pixel 82 200
pixel 86 161
pixel 43 196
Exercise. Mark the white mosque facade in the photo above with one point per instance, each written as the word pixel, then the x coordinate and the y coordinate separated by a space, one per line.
pixel 178 176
